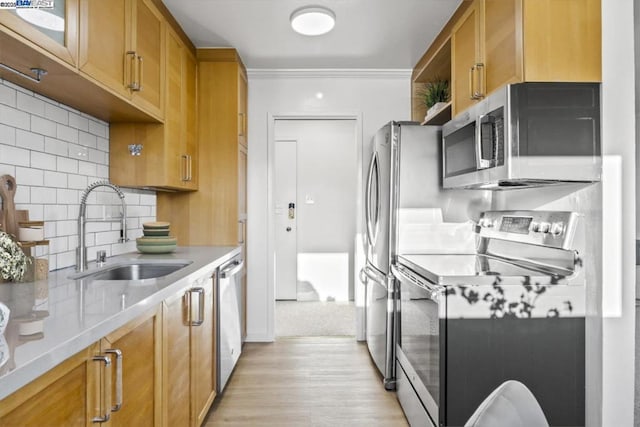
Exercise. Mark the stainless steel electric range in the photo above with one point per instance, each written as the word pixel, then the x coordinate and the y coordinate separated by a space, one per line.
pixel 513 310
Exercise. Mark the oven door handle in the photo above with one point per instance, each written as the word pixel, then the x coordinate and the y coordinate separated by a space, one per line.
pixel 434 290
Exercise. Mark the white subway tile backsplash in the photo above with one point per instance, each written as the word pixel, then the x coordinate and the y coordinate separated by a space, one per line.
pixel 67 133
pixel 64 164
pixel 55 113
pixel 99 128
pixel 88 140
pixel 79 182
pixel 30 104
pixel 7 96
pixel 102 171
pixel 55 212
pixel 54 152
pixel 56 146
pixel 78 152
pixel 23 195
pixel 7 134
pixel 97 156
pixel 55 179
pixel 16 118
pixel 43 126
pixel 88 169
pixel 14 155
pixel 67 197
pixel 43 195
pixel 28 176
pixel 66 259
pixel 107 237
pixel 78 122
pixel 29 140
pixel 43 161
pixel 102 144
pixel 66 228
pixel 7 169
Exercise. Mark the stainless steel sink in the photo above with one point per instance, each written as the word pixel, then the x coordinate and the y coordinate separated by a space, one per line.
pixel 133 271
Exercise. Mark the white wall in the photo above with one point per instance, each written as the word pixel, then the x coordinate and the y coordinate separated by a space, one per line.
pixel 327 180
pixel 618 132
pixel 375 97
pixel 54 152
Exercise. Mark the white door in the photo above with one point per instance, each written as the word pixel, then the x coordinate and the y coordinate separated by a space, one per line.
pixel 285 219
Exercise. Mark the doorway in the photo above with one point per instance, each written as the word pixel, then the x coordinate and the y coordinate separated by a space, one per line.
pixel 315 197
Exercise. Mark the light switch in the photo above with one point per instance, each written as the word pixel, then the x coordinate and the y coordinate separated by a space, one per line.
pixel 308 199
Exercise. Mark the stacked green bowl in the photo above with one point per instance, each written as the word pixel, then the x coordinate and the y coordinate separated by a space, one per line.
pixel 156 239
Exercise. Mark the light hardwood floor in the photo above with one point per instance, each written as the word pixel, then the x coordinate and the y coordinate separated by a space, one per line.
pixel 311 381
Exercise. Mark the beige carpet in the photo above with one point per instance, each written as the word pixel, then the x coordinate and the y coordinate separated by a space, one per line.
pixel 314 318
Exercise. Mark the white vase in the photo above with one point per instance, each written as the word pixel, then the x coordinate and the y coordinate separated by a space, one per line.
pixel 4 317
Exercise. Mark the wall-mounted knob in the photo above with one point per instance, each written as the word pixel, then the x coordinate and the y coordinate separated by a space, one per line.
pixel 288 229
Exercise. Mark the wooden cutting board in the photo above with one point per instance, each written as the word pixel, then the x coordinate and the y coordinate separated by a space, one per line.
pixel 7 193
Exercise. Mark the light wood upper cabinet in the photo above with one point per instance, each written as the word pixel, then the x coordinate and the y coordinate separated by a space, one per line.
pixel 62 43
pixel 169 156
pixel 189 371
pixel 496 42
pixel 68 395
pixel 122 47
pixel 242 108
pixel 466 59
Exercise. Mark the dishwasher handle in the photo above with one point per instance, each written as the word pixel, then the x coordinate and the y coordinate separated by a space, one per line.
pixel 231 269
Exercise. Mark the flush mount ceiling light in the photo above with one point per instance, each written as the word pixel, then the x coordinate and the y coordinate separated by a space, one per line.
pixel 312 20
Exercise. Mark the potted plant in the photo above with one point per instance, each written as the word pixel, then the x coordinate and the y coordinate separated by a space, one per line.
pixel 13 262
pixel 434 94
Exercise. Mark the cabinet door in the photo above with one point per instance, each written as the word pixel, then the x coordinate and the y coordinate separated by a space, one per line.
pixel 242 107
pixel 502 43
pixel 148 43
pixel 176 356
pixel 189 114
pixel 65 396
pixel 61 40
pixel 104 41
pixel 203 346
pixel 140 345
pixel 176 168
pixel 465 55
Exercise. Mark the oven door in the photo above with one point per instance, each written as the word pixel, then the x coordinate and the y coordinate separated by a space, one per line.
pixel 420 336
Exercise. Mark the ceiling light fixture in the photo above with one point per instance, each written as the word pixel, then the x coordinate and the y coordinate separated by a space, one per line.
pixel 312 20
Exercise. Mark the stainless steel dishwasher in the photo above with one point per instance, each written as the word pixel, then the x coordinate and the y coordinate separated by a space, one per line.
pixel 230 315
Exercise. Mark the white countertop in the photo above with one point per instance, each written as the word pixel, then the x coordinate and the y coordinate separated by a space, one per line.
pixel 77 313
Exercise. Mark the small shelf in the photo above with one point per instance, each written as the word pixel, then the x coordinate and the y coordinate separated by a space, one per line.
pixel 440 117
pixel 34 243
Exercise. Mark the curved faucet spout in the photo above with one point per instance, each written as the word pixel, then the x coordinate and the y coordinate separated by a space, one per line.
pixel 81 251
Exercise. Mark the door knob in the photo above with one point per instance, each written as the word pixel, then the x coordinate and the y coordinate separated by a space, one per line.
pixel 288 228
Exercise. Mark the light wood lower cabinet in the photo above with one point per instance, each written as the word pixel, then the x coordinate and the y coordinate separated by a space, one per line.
pixel 189 350
pixel 115 382
pixel 138 387
pixel 65 396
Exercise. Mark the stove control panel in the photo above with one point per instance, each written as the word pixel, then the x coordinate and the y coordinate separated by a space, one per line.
pixel 544 228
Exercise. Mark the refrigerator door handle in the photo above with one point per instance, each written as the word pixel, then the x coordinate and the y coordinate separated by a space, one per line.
pixel 367 208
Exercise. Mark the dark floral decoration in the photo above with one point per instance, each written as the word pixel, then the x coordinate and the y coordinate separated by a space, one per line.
pixel 500 307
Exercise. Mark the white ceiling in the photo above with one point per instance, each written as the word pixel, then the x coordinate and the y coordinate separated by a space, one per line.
pixel 377 34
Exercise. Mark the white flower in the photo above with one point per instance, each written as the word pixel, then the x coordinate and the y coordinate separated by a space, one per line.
pixel 13 262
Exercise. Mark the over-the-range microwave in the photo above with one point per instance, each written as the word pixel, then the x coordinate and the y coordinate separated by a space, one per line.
pixel 525 135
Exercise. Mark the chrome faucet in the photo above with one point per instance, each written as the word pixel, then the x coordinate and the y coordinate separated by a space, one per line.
pixel 81 250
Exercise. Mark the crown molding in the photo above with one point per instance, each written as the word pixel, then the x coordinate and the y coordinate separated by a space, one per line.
pixel 315 73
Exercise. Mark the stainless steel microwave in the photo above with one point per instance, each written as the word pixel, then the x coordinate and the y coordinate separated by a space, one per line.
pixel 525 135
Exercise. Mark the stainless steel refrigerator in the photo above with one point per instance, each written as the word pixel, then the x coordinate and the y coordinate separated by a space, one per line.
pixel 405 155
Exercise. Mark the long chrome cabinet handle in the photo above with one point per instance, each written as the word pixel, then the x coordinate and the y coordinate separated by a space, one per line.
pixel 185 167
pixel 119 401
pixel 132 70
pixel 190 159
pixel 201 294
pixel 139 87
pixel 105 401
pixel 471 88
